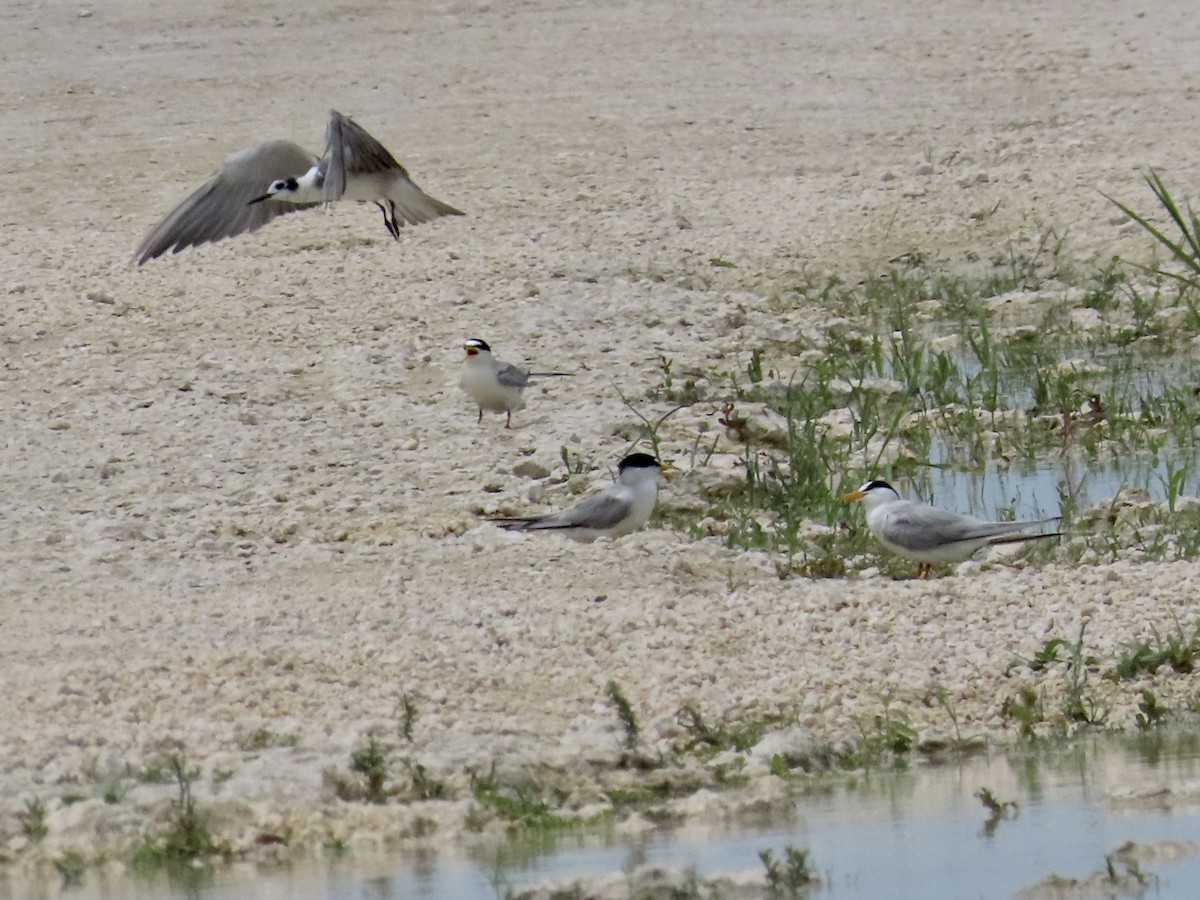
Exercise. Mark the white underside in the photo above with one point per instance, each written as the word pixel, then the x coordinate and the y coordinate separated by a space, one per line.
pixel 363 188
pixel 478 379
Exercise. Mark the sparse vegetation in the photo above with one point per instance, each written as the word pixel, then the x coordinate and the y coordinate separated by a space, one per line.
pixel 1178 651
pixel 1025 709
pixel 33 820
pixel 884 737
pixel 1078 701
pixel 1150 711
pixel 187 838
pixel 1080 704
pixel 265 738
pixel 519 803
pixel 112 789
pixel 708 740
pixel 793 876
pixel 71 868
pixel 408 715
pixel 371 763
pixel 625 713
pixel 368 778
pixel 927 377
pixel 997 810
pixel 1044 658
pixel 1185 249
pixel 424 787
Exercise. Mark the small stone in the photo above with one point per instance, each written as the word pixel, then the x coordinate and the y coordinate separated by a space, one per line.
pixel 530 469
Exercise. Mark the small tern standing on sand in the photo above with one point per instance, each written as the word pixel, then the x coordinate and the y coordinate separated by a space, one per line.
pixel 493 384
pixel 931 535
pixel 622 507
pixel 260 183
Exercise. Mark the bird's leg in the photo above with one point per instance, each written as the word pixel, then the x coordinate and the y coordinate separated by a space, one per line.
pixel 389 223
pixel 508 418
pixel 925 570
pixel 480 419
pixel 394 226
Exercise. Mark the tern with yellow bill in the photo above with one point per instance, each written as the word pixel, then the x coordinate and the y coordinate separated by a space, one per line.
pixel 930 535
pixel 494 385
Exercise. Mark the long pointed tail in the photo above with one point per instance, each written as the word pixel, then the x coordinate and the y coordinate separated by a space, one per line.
pixel 1021 538
pixel 513 523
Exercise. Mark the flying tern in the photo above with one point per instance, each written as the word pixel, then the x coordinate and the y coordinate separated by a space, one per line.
pixel 278 177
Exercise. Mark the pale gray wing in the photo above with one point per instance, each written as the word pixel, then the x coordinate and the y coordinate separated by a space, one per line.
pixel 603 510
pixel 921 528
pixel 350 152
pixel 510 376
pixel 221 208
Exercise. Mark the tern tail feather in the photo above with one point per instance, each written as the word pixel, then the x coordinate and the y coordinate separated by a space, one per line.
pixel 1021 538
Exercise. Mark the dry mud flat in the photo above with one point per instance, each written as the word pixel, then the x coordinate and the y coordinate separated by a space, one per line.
pixel 240 482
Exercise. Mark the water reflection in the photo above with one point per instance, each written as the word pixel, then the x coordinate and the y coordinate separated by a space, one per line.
pixel 916 833
pixel 1033 492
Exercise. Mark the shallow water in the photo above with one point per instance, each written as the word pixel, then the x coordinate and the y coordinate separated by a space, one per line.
pixel 915 833
pixel 1127 382
pixel 1034 492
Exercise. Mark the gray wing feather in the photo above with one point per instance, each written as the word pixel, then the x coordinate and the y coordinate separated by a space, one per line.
pixel 415 206
pixel 350 150
pixel 919 528
pixel 601 511
pixel 221 208
pixel 510 376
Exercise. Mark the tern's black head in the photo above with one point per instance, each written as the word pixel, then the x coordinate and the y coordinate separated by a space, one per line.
pixel 476 345
pixel 638 461
pixel 279 186
pixel 876 489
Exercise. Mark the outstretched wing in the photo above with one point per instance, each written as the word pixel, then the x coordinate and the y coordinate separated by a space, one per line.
pixel 221 208
pixel 351 152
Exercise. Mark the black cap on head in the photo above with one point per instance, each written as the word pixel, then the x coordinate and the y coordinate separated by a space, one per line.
pixel 477 343
pixel 877 484
pixel 639 461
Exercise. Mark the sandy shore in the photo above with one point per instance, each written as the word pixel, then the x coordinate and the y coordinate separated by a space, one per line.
pixel 241 483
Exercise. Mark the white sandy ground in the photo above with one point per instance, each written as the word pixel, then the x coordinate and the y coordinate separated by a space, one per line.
pixel 240 485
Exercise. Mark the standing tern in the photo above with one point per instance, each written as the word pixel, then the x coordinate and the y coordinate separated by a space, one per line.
pixel 277 177
pixel 622 507
pixel 931 535
pixel 493 384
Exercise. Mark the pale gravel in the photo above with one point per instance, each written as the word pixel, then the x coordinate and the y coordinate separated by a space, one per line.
pixel 241 485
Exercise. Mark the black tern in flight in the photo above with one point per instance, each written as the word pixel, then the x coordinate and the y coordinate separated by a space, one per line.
pixel 260 183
